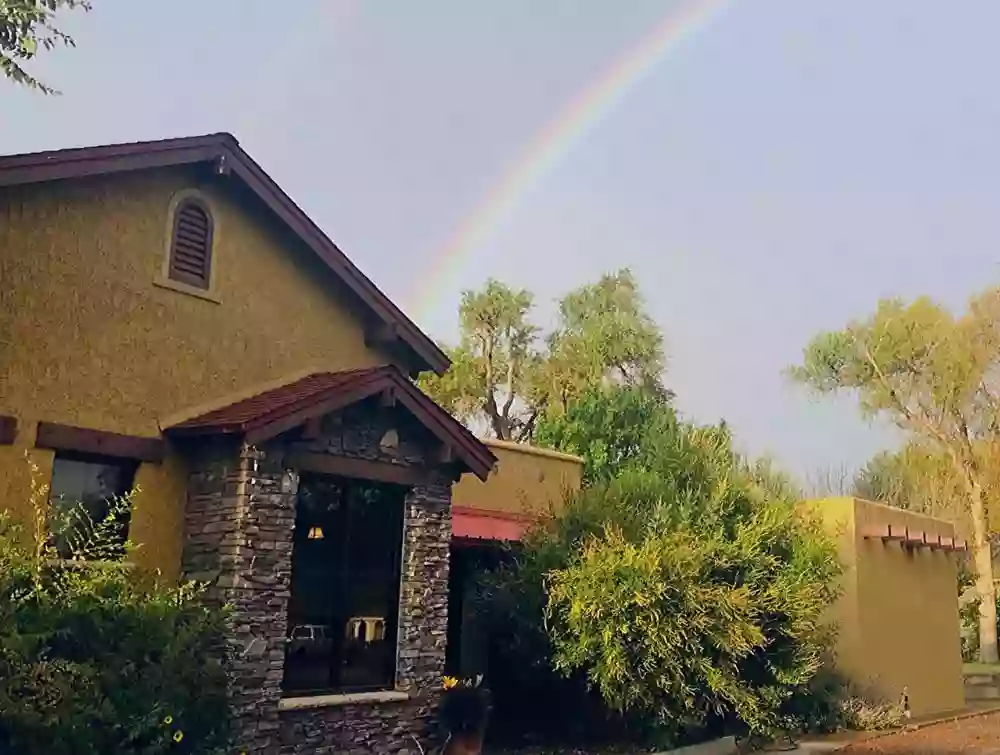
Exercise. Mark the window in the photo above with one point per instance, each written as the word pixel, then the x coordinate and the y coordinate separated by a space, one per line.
pixel 344 603
pixel 85 495
pixel 191 244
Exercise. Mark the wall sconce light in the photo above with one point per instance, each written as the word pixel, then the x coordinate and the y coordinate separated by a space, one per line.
pixel 315 533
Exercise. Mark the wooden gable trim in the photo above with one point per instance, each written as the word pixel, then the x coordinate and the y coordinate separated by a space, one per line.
pixel 57 437
pixel 345 466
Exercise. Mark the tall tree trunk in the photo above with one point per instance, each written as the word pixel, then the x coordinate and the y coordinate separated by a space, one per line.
pixel 985 588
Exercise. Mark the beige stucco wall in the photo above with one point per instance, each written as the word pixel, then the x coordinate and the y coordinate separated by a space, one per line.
pixel 898 615
pixel 525 480
pixel 89 338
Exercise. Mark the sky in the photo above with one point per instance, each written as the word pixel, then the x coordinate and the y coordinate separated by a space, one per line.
pixel 771 176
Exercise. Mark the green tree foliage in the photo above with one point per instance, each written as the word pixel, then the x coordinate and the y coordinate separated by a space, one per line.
pixel 936 376
pixel 686 590
pixel 27 26
pixel 506 374
pixel 607 426
pixel 98 658
pixel 917 477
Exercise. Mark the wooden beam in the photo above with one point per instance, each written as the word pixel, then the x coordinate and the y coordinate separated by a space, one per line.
pixel 362 469
pixel 8 429
pixel 896 533
pixel 914 538
pixel 875 532
pixel 58 437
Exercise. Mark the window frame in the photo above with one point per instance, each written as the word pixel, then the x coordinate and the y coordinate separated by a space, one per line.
pixel 339 594
pixel 174 275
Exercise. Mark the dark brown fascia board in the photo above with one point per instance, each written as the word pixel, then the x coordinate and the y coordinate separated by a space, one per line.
pixel 223 149
pixel 8 429
pixel 345 466
pixel 94 161
pixel 57 437
pixel 469 448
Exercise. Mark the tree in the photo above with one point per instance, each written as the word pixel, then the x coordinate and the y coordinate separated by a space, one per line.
pixel 495 367
pixel 687 589
pixel 936 376
pixel 921 478
pixel 607 426
pixel 26 26
pixel 505 375
pixel 604 337
pixel 917 477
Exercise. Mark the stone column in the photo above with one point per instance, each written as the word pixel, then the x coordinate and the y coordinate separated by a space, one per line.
pixel 239 521
pixel 423 599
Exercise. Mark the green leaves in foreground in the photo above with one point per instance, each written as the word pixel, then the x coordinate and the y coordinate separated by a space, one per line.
pixel 97 657
pixel 27 26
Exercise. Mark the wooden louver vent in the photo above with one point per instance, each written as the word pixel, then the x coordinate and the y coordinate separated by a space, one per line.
pixel 191 247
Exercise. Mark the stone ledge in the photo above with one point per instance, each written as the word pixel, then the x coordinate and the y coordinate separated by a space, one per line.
pixel 333 701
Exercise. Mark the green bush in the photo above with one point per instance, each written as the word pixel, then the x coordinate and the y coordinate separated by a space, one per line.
pixel 687 592
pixel 829 703
pixel 98 658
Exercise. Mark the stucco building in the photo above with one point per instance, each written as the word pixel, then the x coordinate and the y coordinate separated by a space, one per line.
pixel 170 319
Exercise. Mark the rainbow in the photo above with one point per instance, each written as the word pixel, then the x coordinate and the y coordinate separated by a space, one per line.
pixel 558 137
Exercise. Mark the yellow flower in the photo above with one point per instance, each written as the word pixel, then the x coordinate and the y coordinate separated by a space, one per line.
pixel 168 720
pixel 450 681
pixel 178 735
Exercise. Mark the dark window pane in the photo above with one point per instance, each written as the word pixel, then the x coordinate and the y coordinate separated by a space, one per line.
pixel 345 585
pixel 87 521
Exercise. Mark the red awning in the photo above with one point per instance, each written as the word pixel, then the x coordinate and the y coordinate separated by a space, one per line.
pixel 481 524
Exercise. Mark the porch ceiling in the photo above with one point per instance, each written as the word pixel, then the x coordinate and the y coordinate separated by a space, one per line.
pixel 272 412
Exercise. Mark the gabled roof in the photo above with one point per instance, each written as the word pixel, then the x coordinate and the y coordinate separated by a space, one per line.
pixel 224 153
pixel 272 412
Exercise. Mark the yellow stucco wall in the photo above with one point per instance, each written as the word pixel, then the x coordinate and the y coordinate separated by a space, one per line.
pixel 90 339
pixel 898 615
pixel 526 480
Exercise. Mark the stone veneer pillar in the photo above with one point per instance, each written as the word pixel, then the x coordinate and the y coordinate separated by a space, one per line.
pixel 239 521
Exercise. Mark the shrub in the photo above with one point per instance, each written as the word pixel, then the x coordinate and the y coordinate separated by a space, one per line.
pixel 464 706
pixel 687 592
pixel 98 657
pixel 829 703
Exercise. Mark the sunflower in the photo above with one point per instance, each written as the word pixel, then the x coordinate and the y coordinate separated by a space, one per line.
pixel 450 682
